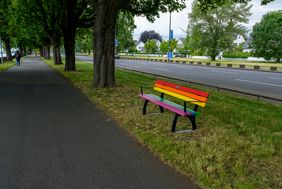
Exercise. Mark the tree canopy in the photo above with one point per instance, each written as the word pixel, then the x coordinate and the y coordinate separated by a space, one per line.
pixel 148 35
pixel 267 36
pixel 214 30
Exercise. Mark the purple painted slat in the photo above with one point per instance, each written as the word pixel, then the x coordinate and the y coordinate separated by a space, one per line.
pixel 166 106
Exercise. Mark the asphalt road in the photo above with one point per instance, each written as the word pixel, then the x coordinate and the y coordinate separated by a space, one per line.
pixel 256 82
pixel 52 136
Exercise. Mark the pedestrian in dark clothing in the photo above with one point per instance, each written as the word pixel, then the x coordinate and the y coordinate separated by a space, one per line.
pixel 18 58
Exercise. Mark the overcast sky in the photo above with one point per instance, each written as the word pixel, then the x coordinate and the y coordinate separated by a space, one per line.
pixel 180 19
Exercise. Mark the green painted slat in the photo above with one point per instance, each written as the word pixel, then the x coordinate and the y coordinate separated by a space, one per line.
pixel 172 103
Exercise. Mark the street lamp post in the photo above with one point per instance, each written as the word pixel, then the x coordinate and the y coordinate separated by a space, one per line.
pixel 170 36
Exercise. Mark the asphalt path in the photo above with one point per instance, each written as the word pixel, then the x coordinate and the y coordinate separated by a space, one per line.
pixel 52 136
pixel 256 82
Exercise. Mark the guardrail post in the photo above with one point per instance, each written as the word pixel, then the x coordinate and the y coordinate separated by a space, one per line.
pixel 273 68
pixel 256 67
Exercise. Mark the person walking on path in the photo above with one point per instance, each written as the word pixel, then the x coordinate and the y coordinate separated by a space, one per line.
pixel 18 58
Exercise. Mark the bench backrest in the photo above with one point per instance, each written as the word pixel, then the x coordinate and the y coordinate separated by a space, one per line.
pixel 190 95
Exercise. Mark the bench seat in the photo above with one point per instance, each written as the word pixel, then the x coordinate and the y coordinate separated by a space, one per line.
pixel 168 105
pixel 187 95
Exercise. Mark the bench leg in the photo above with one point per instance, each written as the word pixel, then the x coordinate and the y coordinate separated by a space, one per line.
pixel 161 109
pixel 145 107
pixel 193 121
pixel 174 123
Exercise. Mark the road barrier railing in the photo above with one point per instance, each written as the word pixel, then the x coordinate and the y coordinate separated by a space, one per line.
pixel 271 99
pixel 219 65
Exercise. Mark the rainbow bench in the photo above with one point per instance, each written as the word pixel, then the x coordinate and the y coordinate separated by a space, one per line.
pixel 196 97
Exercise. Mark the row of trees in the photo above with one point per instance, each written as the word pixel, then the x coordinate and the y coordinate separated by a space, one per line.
pixel 40 24
pixel 213 31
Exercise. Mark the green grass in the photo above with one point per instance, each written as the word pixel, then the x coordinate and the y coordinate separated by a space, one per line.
pixel 235 63
pixel 237 144
pixel 6 66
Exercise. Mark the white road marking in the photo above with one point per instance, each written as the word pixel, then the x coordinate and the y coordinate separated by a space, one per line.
pixel 270 77
pixel 218 71
pixel 256 82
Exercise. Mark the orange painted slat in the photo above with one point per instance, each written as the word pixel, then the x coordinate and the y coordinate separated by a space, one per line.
pixel 194 91
pixel 200 98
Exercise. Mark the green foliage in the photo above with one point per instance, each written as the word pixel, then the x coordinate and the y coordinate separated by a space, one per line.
pixel 267 36
pixel 125 27
pixel 172 44
pixel 84 40
pixel 147 35
pixel 151 47
pixel 236 54
pixel 214 30
pixel 164 46
pixel 150 8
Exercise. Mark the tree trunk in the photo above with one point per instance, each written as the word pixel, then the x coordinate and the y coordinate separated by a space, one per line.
pixel 104 36
pixel 69 36
pixel 47 52
pixel 69 44
pixel 8 49
pixel 41 51
pixel 56 51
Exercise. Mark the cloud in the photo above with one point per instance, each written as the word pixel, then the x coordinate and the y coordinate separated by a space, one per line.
pixel 180 19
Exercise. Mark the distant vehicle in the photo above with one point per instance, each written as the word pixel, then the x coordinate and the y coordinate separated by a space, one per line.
pixel 180 56
pixel 117 56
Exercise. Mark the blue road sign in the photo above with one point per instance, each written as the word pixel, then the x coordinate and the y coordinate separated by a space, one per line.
pixel 171 34
pixel 169 55
pixel 116 42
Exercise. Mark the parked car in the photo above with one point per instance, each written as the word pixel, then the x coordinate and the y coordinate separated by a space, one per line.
pixel 179 56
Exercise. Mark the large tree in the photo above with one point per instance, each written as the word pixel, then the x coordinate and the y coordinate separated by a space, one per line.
pixel 148 35
pixel 215 29
pixel 77 14
pixel 105 26
pixel 5 13
pixel 267 36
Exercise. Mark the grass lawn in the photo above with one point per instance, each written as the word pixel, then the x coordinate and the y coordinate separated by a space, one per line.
pixel 237 144
pixel 6 66
pixel 235 63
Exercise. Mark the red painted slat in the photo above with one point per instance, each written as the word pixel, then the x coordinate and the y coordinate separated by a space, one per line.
pixel 179 87
pixel 166 106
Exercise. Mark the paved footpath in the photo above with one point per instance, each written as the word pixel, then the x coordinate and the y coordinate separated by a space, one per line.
pixel 52 136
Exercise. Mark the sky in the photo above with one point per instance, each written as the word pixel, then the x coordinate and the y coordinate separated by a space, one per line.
pixel 180 19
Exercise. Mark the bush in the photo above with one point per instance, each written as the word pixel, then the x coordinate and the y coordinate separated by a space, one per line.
pixel 236 55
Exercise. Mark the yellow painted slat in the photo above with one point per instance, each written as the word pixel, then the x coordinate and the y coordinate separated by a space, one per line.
pixel 194 101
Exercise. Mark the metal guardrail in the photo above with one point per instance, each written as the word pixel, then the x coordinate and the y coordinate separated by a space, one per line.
pixel 218 88
pixel 218 65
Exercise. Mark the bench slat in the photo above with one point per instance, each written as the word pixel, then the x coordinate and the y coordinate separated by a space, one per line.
pixel 191 100
pixel 190 95
pixel 172 103
pixel 179 87
pixel 165 105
